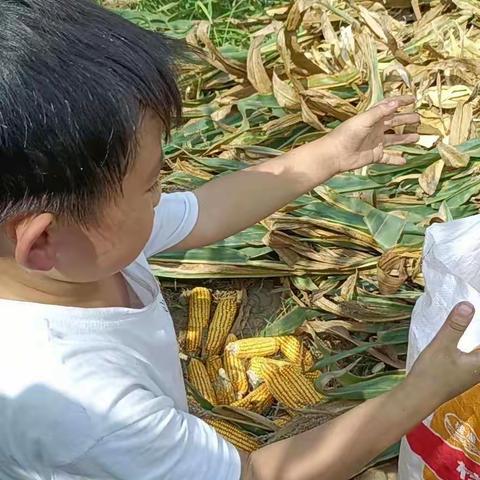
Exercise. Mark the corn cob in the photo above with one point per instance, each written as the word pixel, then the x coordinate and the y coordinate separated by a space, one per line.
pixel 291 388
pixel 259 365
pixel 292 348
pixel 308 360
pixel 198 317
pixel 254 347
pixel 200 304
pixel 213 364
pixel 235 369
pixel 308 363
pixel 198 377
pixel 253 379
pixel 259 400
pixel 224 388
pixel 221 325
pixel 235 435
pixel 231 338
pixel 313 375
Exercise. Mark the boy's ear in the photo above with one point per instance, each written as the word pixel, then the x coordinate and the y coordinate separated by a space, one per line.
pixel 32 242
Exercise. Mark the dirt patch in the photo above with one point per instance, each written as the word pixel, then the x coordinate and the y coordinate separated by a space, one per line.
pixel 261 302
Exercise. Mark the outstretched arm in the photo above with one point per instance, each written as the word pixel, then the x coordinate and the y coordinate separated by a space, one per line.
pixel 231 203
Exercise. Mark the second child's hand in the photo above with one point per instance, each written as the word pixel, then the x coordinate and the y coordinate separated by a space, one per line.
pixel 237 201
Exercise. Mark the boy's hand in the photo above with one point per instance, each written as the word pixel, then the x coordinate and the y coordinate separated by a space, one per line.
pixel 442 371
pixel 362 140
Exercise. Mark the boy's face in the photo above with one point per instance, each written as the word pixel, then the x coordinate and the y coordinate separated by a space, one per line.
pixel 94 253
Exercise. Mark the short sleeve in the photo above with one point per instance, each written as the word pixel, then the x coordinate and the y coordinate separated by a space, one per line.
pixel 175 217
pixel 165 445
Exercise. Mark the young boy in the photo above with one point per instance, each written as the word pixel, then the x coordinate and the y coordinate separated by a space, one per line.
pixel 90 380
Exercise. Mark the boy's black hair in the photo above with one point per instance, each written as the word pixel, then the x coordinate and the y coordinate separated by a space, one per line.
pixel 75 80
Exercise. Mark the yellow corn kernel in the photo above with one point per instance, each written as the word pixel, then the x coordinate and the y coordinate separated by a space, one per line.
pixel 254 347
pixel 230 339
pixel 235 435
pixel 200 303
pixel 258 365
pixel 198 377
pixel 308 363
pixel 259 400
pixel 221 325
pixel 224 388
pixel 198 317
pixel 308 360
pixel 313 375
pixel 291 388
pixel 214 364
pixel 236 371
pixel 292 348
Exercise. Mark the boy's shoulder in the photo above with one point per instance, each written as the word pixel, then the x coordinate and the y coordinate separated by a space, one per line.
pixel 175 218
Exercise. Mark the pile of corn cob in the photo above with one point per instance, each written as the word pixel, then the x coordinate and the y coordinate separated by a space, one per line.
pixel 258 375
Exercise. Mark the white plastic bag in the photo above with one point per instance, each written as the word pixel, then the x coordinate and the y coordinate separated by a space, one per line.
pixel 447 445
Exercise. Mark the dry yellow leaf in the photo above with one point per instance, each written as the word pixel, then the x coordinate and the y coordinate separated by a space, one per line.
pixel 285 94
pixel 432 123
pixel 391 271
pixel 256 71
pixel 311 118
pixel 324 102
pixel 298 56
pixel 452 156
pixel 349 288
pixel 448 97
pixel 201 36
pixel 461 123
pixel 373 22
pixel 468 5
pixel 416 9
pixel 221 113
pixel 430 178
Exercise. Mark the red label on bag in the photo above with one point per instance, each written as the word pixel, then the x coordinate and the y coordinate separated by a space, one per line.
pixel 450 445
pixel 444 460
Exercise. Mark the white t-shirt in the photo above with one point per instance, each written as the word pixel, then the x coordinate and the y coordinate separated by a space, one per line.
pixel 98 393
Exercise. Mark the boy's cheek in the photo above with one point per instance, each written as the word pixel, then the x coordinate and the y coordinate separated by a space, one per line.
pixel 128 241
pixel 93 255
pixel 124 249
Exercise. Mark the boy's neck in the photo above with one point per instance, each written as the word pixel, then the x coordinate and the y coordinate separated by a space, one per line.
pixel 20 285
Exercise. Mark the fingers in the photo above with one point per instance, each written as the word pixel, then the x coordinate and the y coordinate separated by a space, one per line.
pixel 402 120
pixel 394 158
pixel 385 109
pixel 380 113
pixel 455 326
pixel 404 101
pixel 405 139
